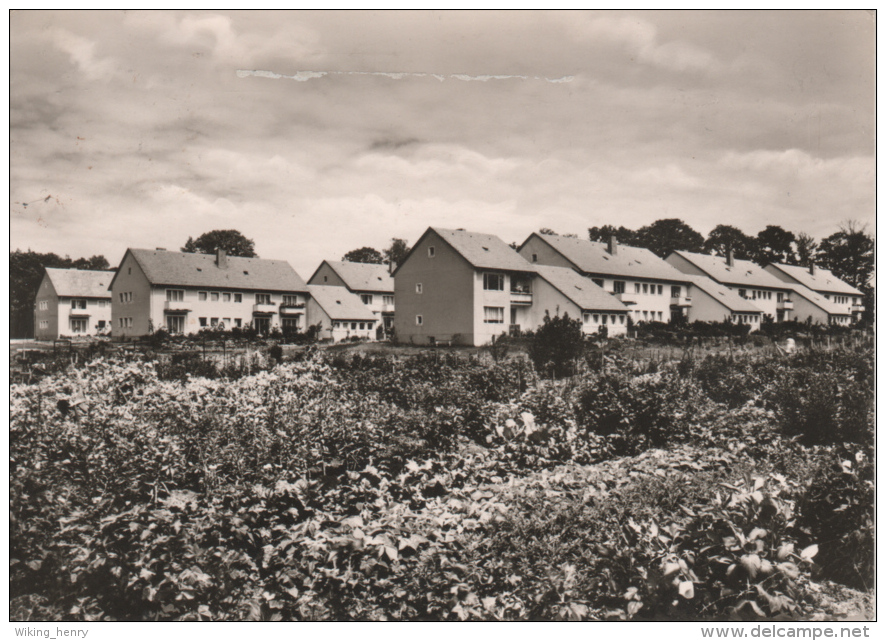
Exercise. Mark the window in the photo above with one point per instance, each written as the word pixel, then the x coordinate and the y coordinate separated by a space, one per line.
pixel 612 319
pixel 645 288
pixel 618 287
pixel 597 281
pixel 493 314
pixel 238 322
pixel 226 297
pixel 336 324
pixel 366 298
pixel 44 304
pixel 291 323
pixel 353 325
pixel 125 297
pixel 213 296
pixel 290 300
pixel 743 293
pixel 603 319
pixel 418 288
pixel 44 324
pixel 262 299
pixel 202 295
pixel 660 290
pixel 129 270
pixel 213 321
pixel 596 318
pixel 226 322
pixel 238 298
pixel 636 288
pixel 175 324
pixel 388 300
pixel 103 303
pixel 534 258
pixel 362 325
pixel 621 319
pixel 202 321
pixel 78 325
pixel 645 315
pixel 431 251
pixel 125 322
pixel 418 320
pixel 659 316
pixel 78 303
pixel 587 318
pixel 325 279
pixel 494 282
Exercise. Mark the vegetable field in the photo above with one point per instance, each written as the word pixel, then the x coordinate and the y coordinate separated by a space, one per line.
pixel 353 487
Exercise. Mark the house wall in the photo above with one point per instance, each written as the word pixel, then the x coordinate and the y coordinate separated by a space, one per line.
pixel 545 254
pixel 446 303
pixel 46 294
pixel 707 308
pixel 130 279
pixel 198 310
pixel 804 309
pixel 97 310
pixel 325 275
pixel 338 330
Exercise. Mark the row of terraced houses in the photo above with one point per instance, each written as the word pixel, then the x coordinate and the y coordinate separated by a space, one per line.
pixel 454 286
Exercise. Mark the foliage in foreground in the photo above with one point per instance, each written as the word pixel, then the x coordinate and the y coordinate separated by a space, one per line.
pixel 356 490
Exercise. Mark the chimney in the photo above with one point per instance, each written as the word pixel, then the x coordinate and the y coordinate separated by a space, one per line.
pixel 812 268
pixel 613 245
pixel 730 258
pixel 221 258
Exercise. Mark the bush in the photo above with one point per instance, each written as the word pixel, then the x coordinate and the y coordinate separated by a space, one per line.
pixel 556 345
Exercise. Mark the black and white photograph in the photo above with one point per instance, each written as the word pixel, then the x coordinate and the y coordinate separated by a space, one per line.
pixel 442 316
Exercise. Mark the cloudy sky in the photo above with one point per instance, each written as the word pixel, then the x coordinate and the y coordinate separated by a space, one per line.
pixel 316 133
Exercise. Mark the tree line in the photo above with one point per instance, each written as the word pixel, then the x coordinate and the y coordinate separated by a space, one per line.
pixel 848 253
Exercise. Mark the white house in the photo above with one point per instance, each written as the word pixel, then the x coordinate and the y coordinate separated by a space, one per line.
pixel 72 302
pixel 372 283
pixel 341 314
pixel 184 293
pixel 823 283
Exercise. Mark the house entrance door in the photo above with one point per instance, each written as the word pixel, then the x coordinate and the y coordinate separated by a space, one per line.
pixel 262 324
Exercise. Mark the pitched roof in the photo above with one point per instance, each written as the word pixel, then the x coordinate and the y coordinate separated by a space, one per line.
pixel 594 258
pixel 723 295
pixel 818 300
pixel 580 290
pixel 366 277
pixel 80 282
pixel 822 281
pixel 340 304
pixel 743 272
pixel 484 251
pixel 200 270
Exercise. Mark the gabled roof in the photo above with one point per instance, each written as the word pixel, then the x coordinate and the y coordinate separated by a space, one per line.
pixel 361 277
pixel 482 251
pixel 723 295
pixel 80 282
pixel 580 290
pixel 821 281
pixel 163 267
pixel 594 258
pixel 743 273
pixel 340 304
pixel 818 300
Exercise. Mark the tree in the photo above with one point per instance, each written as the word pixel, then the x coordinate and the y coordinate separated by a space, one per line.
pixel 725 237
pixel 557 344
pixel 396 253
pixel 775 245
pixel 26 271
pixel 547 231
pixel 231 240
pixel 623 235
pixel 806 248
pixel 667 235
pixel 849 254
pixel 364 255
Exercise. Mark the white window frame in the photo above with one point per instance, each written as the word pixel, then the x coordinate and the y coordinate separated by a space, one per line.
pixel 493 278
pixel 431 251
pixel 202 296
pixel 387 300
pixel 78 303
pixel 418 288
pixel 290 300
pixel 262 299
pixel 175 295
pixel 238 298
pixel 491 315
pixel 419 320
pixel 366 298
